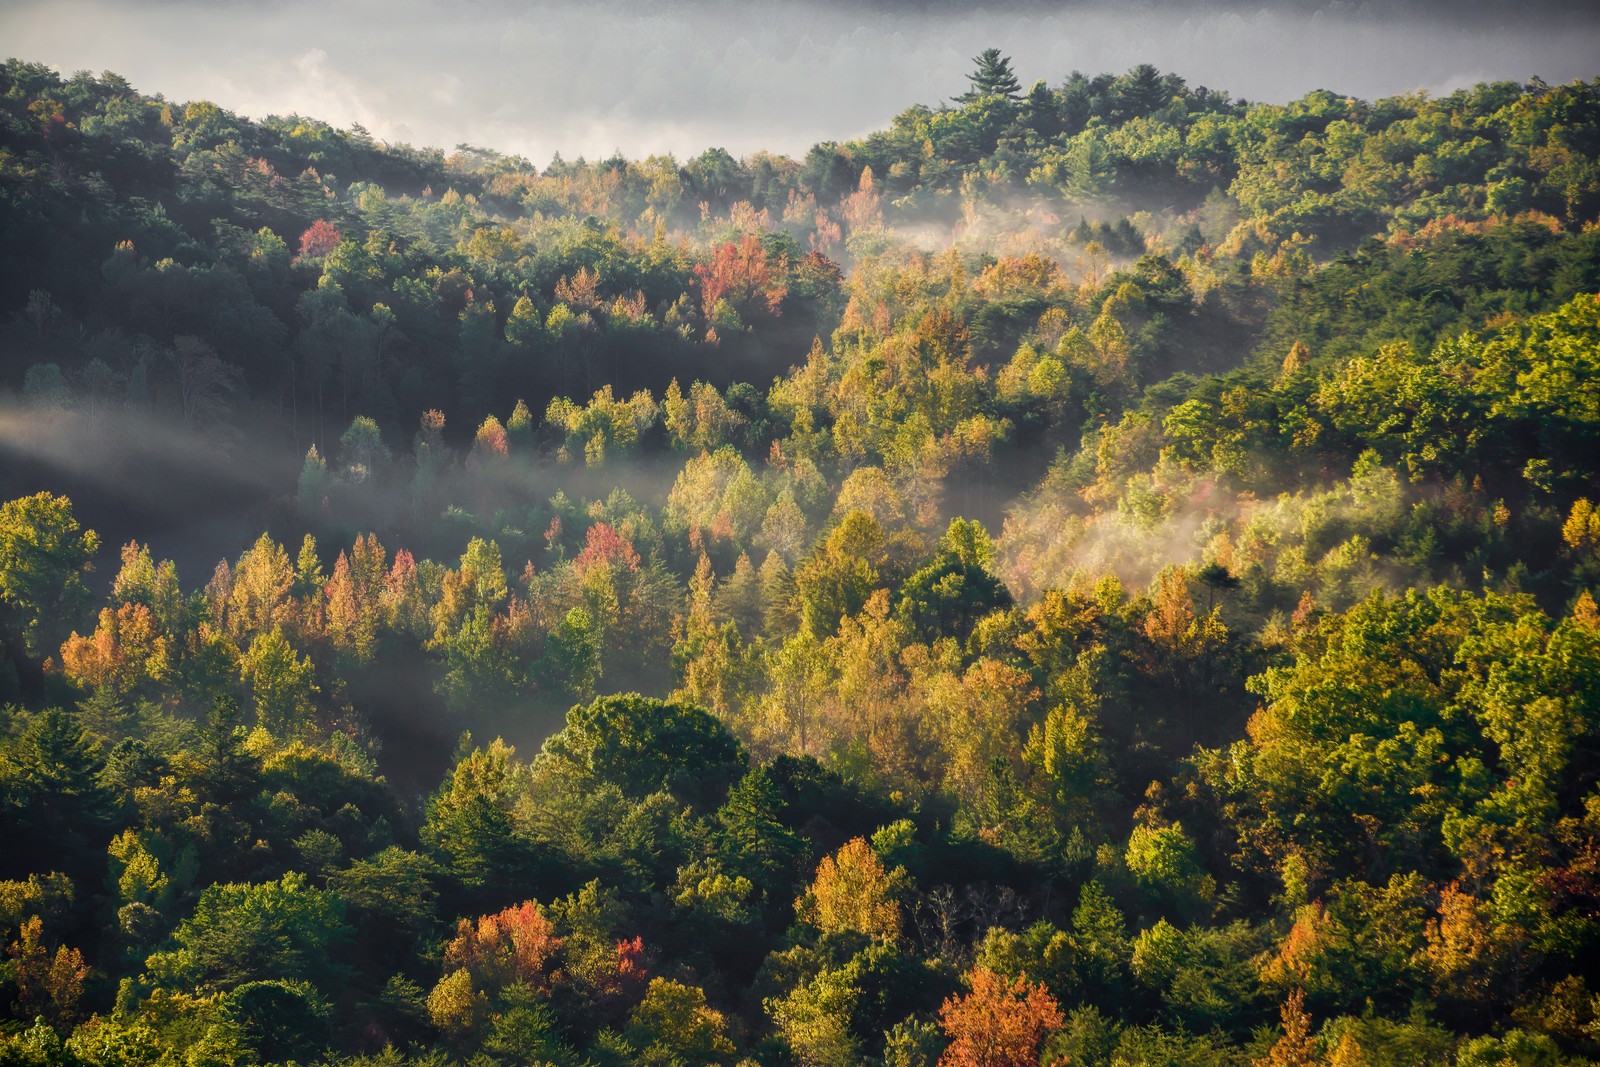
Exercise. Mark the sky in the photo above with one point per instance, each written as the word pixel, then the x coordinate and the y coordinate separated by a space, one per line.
pixel 648 76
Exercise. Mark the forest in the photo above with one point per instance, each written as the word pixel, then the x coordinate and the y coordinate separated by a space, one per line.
pixel 1097 572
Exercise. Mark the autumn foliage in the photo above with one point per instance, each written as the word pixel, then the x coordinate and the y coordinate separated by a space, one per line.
pixel 47 983
pixel 802 781
pixel 1294 1047
pixel 604 545
pixel 853 891
pixel 320 238
pixel 998 1024
pixel 743 273
pixel 631 974
pixel 514 945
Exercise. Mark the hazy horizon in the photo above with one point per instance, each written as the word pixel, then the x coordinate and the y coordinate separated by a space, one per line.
pixel 535 79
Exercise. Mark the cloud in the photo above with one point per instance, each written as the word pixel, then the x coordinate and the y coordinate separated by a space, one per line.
pixel 537 78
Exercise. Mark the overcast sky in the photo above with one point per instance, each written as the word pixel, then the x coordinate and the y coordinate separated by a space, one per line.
pixel 536 78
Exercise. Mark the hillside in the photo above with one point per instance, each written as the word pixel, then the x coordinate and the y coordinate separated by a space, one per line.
pixel 1101 572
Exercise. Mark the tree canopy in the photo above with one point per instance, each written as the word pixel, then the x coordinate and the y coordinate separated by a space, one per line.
pixel 1103 574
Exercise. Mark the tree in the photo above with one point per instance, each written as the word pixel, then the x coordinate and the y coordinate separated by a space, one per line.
pixel 1294 1047
pixel 1143 90
pixel 281 683
pixel 1473 957
pixel 524 326
pixel 51 796
pixel 993 77
pixel 283 1021
pixel 674 1022
pixel 205 382
pixel 319 239
pixel 948 597
pixel 1100 948
pixel 816 1017
pixel 469 823
pixel 124 651
pixel 391 898
pixel 841 572
pixel 998 1024
pixel 604 546
pixel 1208 977
pixel 362 450
pixel 43 558
pixel 601 972
pixel 516 946
pixel 573 653
pixel 752 840
pixel 47 983
pixel 490 443
pixel 258 597
pixel 243 933
pixel 853 892
pixel 744 274
pixel 640 745
pixel 1164 861
pixel 455 1007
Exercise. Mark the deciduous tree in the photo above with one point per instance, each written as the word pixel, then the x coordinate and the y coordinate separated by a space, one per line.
pixel 998 1024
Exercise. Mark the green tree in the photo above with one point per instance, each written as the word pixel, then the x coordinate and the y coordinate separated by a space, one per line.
pixel 469 827
pixel 640 745
pixel 280 1020
pixel 43 558
pixel 1165 862
pixel 362 450
pixel 243 933
pixel 753 841
pixel 282 684
pixel 673 1024
pixel 391 901
pixel 55 806
pixel 992 77
pixel 948 597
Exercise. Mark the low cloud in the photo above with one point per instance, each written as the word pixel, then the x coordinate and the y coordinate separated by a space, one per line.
pixel 536 78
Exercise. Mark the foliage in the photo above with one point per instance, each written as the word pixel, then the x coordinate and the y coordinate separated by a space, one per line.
pixel 1116 584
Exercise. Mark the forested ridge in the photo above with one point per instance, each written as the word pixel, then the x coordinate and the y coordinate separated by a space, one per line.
pixel 1101 572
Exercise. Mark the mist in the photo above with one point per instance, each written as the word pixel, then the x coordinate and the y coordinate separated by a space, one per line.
pixel 535 78
pixel 141 477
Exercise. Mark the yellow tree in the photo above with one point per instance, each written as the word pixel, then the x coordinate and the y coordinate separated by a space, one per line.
pixel 1474 959
pixel 791 716
pixel 674 1020
pixel 48 984
pixel 979 717
pixel 259 596
pixel 853 891
pixel 873 711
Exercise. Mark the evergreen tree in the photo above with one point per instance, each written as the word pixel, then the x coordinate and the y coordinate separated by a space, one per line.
pixel 993 77
pixel 753 841
pixel 54 811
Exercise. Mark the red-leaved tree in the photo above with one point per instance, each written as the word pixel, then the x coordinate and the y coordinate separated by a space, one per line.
pixel 320 239
pixel 603 544
pixel 514 945
pixel 743 273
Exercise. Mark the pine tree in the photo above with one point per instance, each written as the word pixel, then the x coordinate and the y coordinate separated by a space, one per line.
pixel 58 808
pixel 993 77
pixel 753 841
